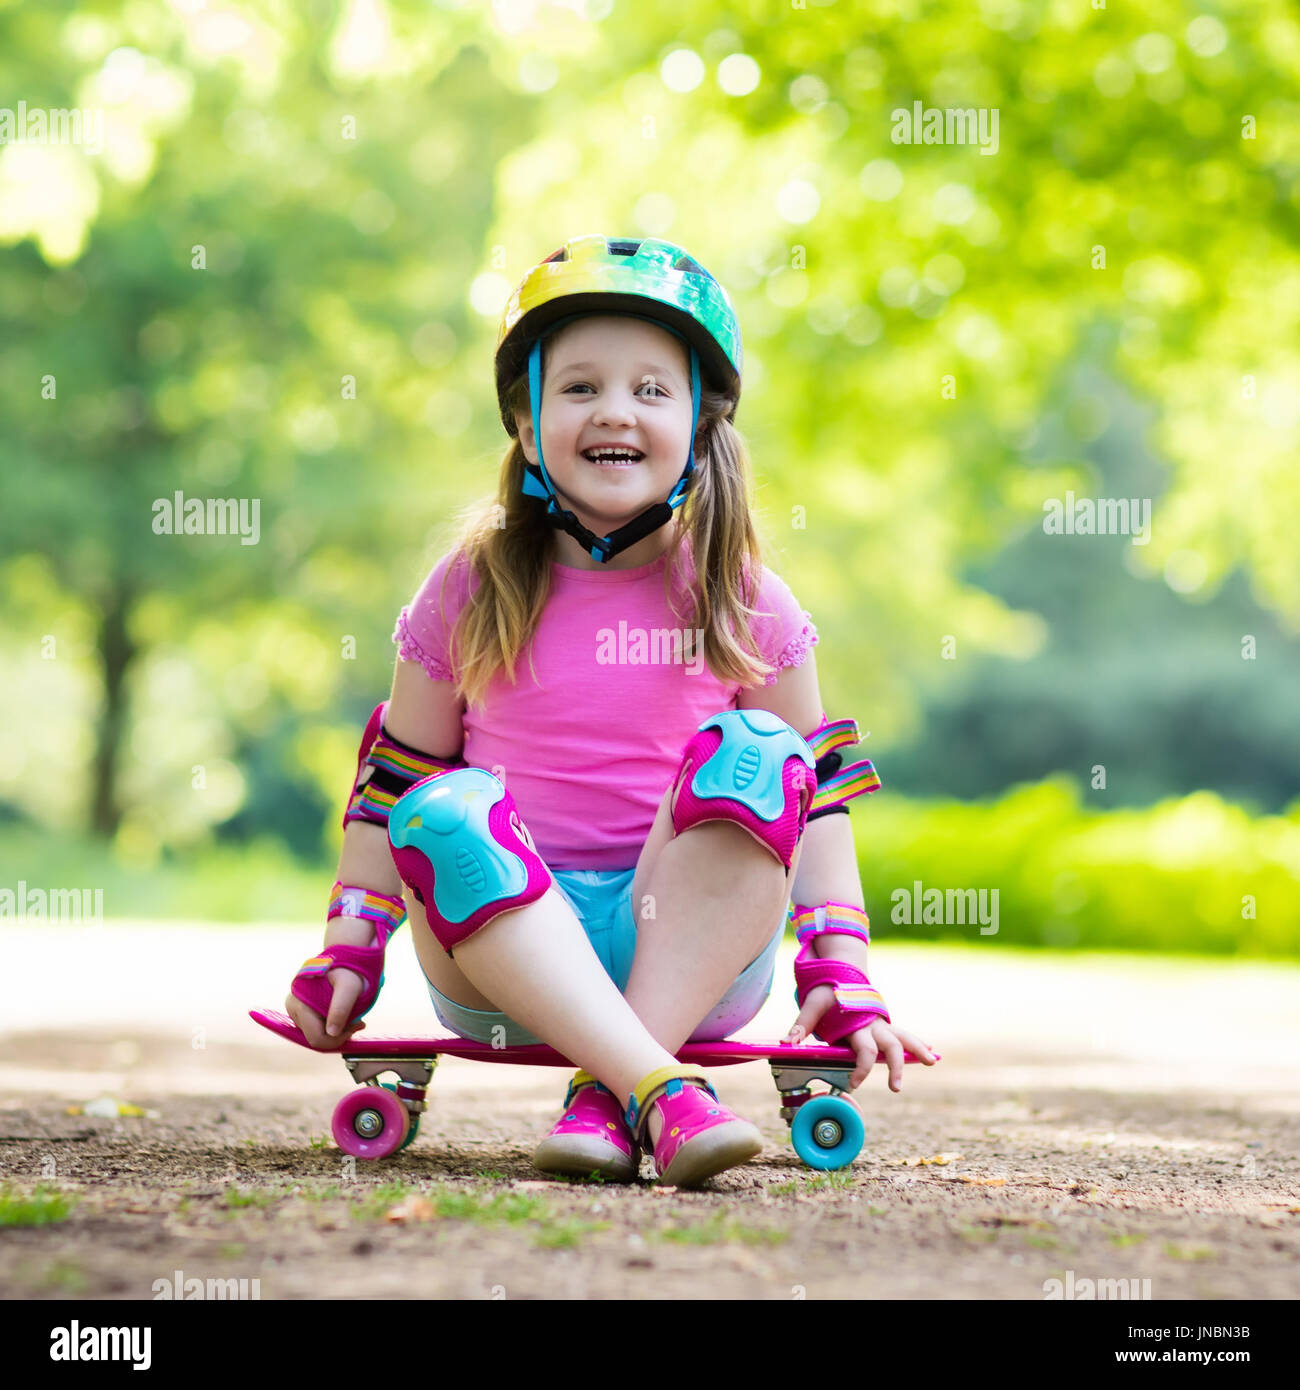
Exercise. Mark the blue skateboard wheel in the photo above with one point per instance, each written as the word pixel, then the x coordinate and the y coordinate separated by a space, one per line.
pixel 827 1132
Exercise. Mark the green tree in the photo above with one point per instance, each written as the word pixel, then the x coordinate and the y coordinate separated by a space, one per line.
pixel 366 181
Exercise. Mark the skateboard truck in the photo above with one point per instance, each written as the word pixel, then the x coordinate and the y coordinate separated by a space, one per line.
pixel 826 1129
pixel 369 1121
pixel 413 1075
pixel 792 1082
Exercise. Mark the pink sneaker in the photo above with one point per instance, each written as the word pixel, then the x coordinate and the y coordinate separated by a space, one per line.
pixel 700 1136
pixel 590 1136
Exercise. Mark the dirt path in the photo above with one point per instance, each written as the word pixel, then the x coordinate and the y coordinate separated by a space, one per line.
pixel 1118 1143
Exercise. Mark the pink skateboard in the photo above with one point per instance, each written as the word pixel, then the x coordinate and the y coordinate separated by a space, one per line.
pixel 379 1118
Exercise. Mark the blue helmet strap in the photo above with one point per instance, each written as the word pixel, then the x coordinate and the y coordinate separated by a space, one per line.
pixel 537 481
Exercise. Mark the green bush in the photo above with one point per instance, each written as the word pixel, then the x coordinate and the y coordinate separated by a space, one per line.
pixel 1180 876
pixel 261 882
pixel 1194 874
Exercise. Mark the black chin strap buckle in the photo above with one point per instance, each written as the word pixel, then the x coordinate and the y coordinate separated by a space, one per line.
pixel 604 548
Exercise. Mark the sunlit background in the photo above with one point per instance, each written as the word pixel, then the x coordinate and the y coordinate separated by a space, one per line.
pixel 266 201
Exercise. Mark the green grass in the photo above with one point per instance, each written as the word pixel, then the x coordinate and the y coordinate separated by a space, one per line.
pixel 835 1181
pixel 319 1194
pixel 720 1228
pixel 977 1235
pixel 551 1230
pixel 43 1206
pixel 493 1207
pixel 454 1204
pixel 565 1233
pixel 1188 1252
pixel 65 1275
pixel 1123 1241
pixel 233 1198
pixel 501 1208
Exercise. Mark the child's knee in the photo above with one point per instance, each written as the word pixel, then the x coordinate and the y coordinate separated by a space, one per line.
pixel 460 846
pixel 748 767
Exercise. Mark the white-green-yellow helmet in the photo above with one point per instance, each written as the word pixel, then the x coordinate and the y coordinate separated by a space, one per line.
pixel 649 279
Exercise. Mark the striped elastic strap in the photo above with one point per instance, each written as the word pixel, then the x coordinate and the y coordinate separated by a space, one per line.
pixel 858 997
pixel 387 913
pixel 840 919
pixel 393 769
pixel 839 784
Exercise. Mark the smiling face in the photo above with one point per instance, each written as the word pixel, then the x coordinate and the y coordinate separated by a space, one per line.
pixel 624 384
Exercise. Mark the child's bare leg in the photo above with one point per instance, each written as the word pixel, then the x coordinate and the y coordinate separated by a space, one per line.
pixel 536 964
pixel 717 896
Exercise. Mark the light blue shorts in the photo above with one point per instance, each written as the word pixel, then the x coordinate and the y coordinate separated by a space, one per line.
pixel 602 900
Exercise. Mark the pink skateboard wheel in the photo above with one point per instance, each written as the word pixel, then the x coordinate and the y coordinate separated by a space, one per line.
pixel 370 1122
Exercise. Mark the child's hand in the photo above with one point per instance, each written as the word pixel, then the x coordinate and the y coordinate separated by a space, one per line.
pixel 879 1036
pixel 347 987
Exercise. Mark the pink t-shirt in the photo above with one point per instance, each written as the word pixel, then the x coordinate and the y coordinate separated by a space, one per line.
pixel 589 748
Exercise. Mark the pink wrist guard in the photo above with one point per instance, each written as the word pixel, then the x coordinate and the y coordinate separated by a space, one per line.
pixel 386 769
pixel 312 984
pixel 857 1002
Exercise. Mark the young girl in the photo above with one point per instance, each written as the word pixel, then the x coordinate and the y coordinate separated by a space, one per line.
pixel 600 850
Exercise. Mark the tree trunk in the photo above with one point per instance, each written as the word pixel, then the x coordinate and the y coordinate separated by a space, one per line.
pixel 116 652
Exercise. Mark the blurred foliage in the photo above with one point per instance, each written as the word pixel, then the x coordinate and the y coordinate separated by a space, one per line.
pixel 258 882
pixel 1194 876
pixel 1134 675
pixel 362 183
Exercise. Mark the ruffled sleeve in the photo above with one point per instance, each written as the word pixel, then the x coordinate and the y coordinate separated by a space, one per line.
pixel 784 632
pixel 424 626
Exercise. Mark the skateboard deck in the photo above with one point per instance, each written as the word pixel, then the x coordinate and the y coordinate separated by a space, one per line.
pixel 704 1054
pixel 377 1119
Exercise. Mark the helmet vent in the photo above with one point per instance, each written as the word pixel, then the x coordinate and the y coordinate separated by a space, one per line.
pixel 624 248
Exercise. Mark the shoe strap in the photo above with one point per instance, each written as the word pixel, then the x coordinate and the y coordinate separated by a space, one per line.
pixel 653 1085
pixel 580 1081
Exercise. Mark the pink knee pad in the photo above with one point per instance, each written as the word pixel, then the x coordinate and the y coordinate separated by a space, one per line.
pixel 750 767
pixel 460 846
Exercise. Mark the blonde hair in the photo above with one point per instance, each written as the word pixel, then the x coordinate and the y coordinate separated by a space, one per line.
pixel 508 544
